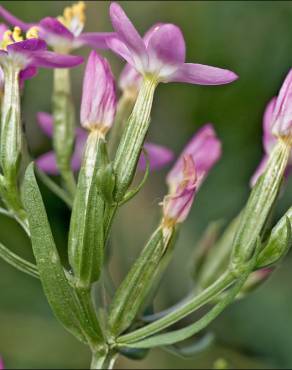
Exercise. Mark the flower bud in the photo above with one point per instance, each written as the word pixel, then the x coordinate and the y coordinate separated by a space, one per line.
pixel 282 114
pixel 98 106
pixel 177 204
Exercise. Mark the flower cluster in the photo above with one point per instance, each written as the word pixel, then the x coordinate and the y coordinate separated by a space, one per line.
pixel 99 163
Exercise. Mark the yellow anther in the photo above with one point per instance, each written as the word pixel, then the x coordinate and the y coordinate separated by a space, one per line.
pixel 6 40
pixel 16 34
pixel 32 33
pixel 68 13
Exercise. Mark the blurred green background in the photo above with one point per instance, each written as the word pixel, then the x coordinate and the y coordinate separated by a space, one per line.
pixel 252 38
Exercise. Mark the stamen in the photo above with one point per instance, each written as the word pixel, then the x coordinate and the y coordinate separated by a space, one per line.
pixel 73 17
pixel 16 34
pixel 32 33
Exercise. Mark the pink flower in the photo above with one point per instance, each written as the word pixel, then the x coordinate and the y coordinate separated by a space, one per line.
pixel 98 105
pixel 64 32
pixel 161 53
pixel 277 122
pixel 188 173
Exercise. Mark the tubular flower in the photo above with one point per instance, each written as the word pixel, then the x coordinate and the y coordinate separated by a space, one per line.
pixel 28 55
pixel 158 155
pixel 276 125
pixel 161 54
pixel 98 105
pixel 63 33
pixel 188 173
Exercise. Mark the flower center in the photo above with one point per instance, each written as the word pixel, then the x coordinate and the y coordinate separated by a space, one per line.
pixel 11 37
pixel 73 18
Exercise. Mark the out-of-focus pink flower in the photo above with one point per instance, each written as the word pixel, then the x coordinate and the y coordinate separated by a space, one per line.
pixel 188 173
pixel 161 54
pixel 277 123
pixel 158 155
pixel 30 54
pixel 205 149
pixel 63 33
pixel 1 364
pixel 98 105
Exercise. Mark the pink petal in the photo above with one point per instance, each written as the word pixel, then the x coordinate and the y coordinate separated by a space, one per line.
pixel 118 47
pixel 282 115
pixel 205 150
pixel 201 74
pixel 269 139
pixel 27 74
pixel 96 40
pixel 14 21
pixel 129 35
pixel 129 78
pixel 27 46
pixel 50 26
pixel 46 123
pixel 166 49
pixel 3 28
pixel 159 156
pixel 259 171
pixel 98 105
pixel 47 163
pixel 49 59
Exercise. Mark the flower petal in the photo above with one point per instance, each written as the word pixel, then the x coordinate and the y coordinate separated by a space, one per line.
pixel 46 123
pixel 118 47
pixel 49 59
pixel 27 74
pixel 129 35
pixel 201 74
pixel 159 156
pixel 129 78
pixel 47 163
pixel 51 26
pixel 269 139
pixel 282 114
pixel 14 21
pixel 27 46
pixel 3 28
pixel 98 105
pixel 205 150
pixel 96 40
pixel 166 49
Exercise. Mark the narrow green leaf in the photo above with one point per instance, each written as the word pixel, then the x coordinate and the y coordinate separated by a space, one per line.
pixel 189 350
pixel 132 193
pixel 133 290
pixel 18 262
pixel 278 243
pixel 58 291
pixel 190 330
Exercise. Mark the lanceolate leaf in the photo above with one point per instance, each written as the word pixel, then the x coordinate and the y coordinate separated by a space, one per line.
pixel 278 243
pixel 137 284
pixel 59 293
pixel 190 330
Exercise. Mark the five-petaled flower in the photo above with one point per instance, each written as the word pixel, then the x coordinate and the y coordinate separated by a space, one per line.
pixel 26 56
pixel 277 124
pixel 188 173
pixel 63 33
pixel 161 54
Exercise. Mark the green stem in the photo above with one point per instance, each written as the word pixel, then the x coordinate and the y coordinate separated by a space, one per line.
pixel 64 127
pixel 222 283
pixel 18 262
pixel 103 360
